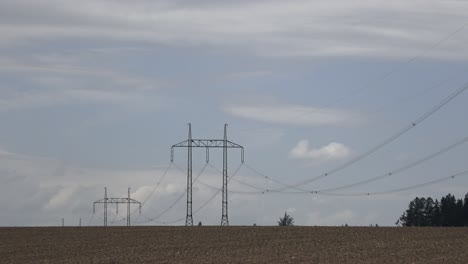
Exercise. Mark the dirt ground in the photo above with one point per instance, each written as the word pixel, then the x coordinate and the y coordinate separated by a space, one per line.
pixel 233 245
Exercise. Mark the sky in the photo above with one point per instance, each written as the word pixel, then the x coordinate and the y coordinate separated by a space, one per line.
pixel 94 93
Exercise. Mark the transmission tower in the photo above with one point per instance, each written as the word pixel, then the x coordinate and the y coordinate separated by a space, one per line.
pixel 128 201
pixel 225 144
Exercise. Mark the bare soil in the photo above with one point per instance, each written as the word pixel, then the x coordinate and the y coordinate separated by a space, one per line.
pixel 233 245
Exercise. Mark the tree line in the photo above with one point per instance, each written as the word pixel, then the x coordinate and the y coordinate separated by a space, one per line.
pixel 449 211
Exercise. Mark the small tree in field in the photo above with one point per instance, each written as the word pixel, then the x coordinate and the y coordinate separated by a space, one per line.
pixel 287 220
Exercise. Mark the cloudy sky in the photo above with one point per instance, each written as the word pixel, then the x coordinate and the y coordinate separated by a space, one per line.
pixel 94 93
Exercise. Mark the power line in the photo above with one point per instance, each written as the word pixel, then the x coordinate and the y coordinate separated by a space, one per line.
pixel 405 63
pixel 179 169
pixel 203 205
pixel 385 142
pixel 403 100
pixel 198 209
pixel 178 198
pixel 420 185
pixel 229 179
pixel 163 176
pixel 235 180
pixel 385 175
pixel 370 151
pixel 451 177
pixel 157 184
pixel 259 190
pixel 230 191
pixel 389 73
pixel 267 177
pixel 401 169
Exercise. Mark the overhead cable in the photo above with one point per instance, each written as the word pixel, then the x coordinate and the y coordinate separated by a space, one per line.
pixel 387 141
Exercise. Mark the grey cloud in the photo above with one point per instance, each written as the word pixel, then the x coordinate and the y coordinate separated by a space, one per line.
pixel 58 88
pixel 273 28
pixel 295 114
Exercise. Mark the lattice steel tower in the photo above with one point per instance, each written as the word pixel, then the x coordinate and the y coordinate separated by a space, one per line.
pixel 191 143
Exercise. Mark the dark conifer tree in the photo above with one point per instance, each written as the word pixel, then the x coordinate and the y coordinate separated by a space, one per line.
pixel 448 209
pixel 428 212
pixel 287 220
pixel 459 214
pixel 436 214
pixel 425 212
pixel 465 210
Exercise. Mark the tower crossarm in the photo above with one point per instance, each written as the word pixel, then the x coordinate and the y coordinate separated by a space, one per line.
pixel 207 144
pixel 203 143
pixel 117 200
pixel 113 200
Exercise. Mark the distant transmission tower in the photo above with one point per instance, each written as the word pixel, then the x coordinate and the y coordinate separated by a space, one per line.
pixel 225 144
pixel 116 201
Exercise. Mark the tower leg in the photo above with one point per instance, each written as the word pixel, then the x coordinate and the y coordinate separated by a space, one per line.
pixel 224 216
pixel 189 217
pixel 128 208
pixel 105 206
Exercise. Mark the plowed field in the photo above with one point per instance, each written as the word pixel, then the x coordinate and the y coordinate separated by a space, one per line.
pixel 233 245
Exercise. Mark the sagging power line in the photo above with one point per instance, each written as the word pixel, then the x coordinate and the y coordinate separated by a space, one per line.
pixel 225 144
pixel 204 204
pixel 379 146
pixel 323 192
pixel 390 173
pixel 392 191
pixel 179 198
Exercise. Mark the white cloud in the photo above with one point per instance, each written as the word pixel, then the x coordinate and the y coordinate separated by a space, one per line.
pixel 295 114
pixel 272 28
pixel 332 151
pixel 5 153
pixel 142 193
pixel 55 190
pixel 61 198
